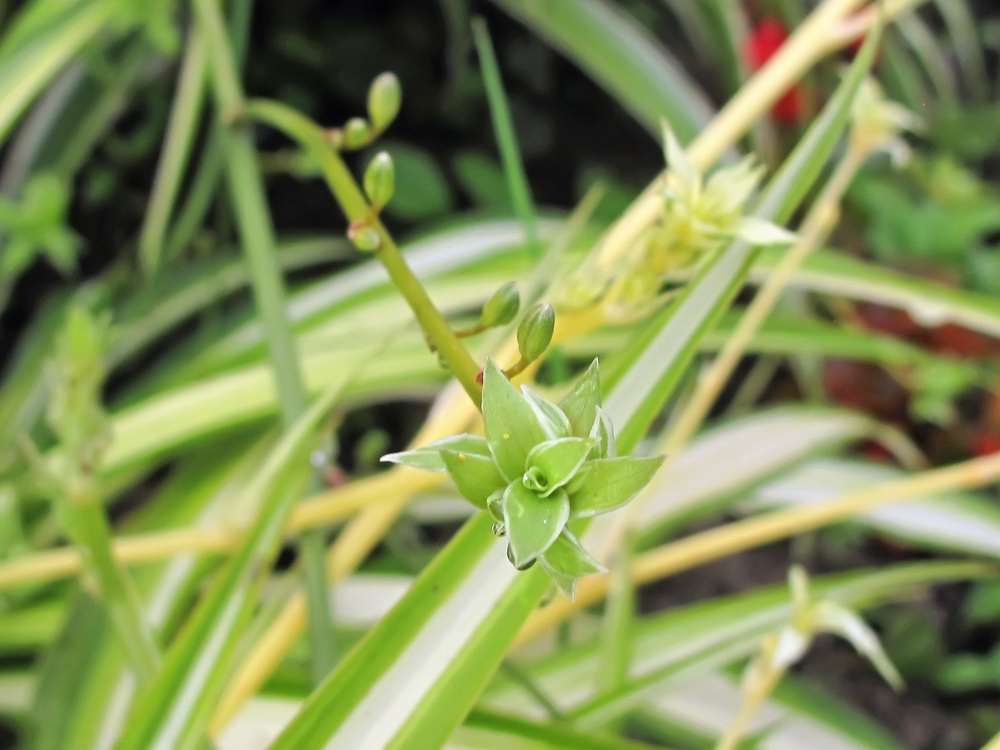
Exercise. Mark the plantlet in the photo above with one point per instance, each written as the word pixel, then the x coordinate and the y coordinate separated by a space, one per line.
pixel 540 466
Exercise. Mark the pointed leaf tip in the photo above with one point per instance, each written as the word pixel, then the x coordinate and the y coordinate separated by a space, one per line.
pixel 612 482
pixel 580 404
pixel 512 426
pixel 566 561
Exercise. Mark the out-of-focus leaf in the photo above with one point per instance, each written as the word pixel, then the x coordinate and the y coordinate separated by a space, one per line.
pixel 621 56
pixel 483 180
pixel 930 303
pixel 959 522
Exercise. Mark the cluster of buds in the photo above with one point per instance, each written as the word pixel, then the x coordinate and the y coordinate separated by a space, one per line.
pixel 76 413
pixel 384 99
pixel 534 333
pixel 879 124
pixel 699 217
pixel 379 183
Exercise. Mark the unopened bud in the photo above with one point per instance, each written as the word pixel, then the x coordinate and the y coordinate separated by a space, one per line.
pixel 380 180
pixel 502 307
pixel 357 132
pixel 535 332
pixel 365 238
pixel 384 98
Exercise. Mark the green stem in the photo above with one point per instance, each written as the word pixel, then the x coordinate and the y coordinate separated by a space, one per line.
pixel 356 208
pixel 526 681
pixel 209 170
pixel 85 522
pixel 752 701
pixel 199 198
pixel 257 233
pixel 97 115
pixel 184 116
pixel 517 368
pixel 617 626
pixel 503 131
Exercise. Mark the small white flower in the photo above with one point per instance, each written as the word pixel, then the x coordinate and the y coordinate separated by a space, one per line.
pixel 699 217
pixel 810 617
pixel 879 124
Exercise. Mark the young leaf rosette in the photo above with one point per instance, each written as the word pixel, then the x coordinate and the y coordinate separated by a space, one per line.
pixel 539 466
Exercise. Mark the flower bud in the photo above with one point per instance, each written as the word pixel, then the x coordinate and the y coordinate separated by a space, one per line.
pixel 380 179
pixel 357 132
pixel 535 331
pixel 384 98
pixel 365 238
pixel 501 307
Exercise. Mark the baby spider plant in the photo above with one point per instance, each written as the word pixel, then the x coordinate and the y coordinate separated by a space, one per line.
pixel 539 466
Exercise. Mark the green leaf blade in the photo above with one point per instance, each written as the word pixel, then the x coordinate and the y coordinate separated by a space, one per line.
pixel 512 427
pixel 533 523
pixel 581 403
pixel 611 483
pixel 476 477
pixel 566 561
pixel 552 418
pixel 429 457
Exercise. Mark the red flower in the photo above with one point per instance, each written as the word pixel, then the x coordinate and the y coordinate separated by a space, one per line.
pixel 764 40
pixel 956 339
pixel 986 443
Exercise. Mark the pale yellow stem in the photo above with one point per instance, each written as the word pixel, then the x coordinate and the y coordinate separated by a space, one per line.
pixel 735 537
pixel 320 510
pixel 748 708
pixel 993 744
pixel 139 548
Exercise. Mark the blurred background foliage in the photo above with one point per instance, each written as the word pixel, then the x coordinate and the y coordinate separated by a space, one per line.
pixel 78 170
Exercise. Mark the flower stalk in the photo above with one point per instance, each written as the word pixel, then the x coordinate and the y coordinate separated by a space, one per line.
pixel 359 213
pixel 78 420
